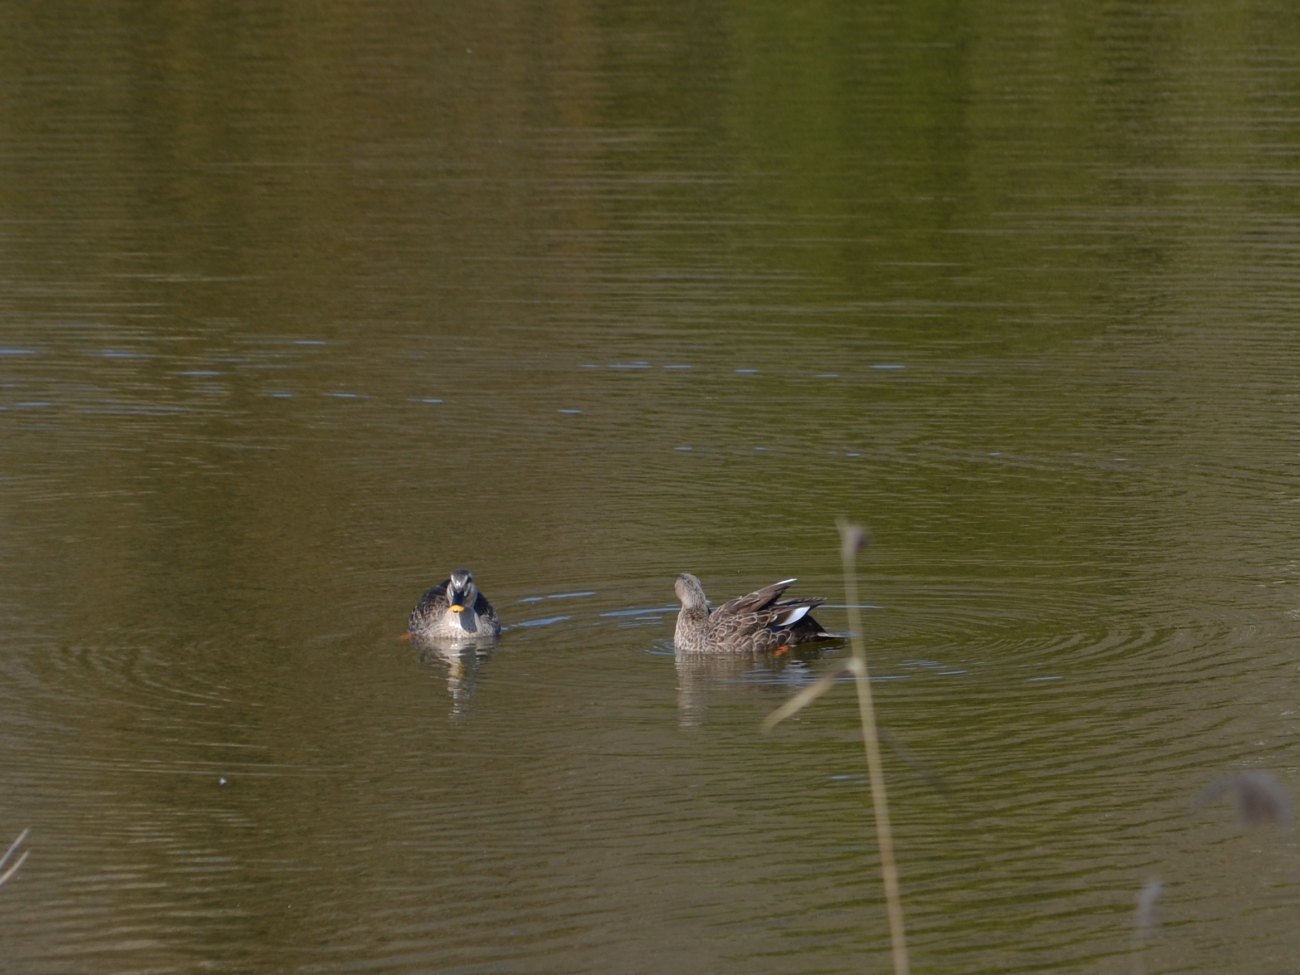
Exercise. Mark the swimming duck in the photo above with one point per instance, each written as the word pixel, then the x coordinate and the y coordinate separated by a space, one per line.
pixel 759 621
pixel 454 609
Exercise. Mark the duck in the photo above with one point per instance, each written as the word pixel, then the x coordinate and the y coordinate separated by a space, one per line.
pixel 757 622
pixel 454 610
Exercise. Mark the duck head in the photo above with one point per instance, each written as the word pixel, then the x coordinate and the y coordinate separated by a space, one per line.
pixel 461 591
pixel 691 592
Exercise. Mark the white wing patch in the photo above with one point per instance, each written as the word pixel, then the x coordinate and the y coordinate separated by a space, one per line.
pixel 793 615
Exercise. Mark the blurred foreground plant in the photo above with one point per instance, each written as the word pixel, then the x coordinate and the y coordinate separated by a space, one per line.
pixel 8 869
pixel 853 539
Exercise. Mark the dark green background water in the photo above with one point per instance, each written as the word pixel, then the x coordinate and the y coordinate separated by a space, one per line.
pixel 302 308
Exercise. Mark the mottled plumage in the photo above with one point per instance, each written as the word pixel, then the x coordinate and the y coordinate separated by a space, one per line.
pixel 758 621
pixel 454 610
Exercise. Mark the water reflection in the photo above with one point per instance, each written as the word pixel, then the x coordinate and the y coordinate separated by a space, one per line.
pixel 642 286
pixel 463 664
pixel 770 675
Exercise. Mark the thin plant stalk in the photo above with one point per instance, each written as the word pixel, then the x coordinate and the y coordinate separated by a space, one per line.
pixel 853 538
pixel 7 869
pixel 1144 923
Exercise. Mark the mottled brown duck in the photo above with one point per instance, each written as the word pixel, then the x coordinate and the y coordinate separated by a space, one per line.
pixel 454 610
pixel 758 621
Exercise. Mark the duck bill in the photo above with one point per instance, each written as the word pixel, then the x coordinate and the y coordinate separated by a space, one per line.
pixel 456 608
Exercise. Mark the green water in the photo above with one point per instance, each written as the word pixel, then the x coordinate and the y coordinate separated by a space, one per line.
pixel 302 311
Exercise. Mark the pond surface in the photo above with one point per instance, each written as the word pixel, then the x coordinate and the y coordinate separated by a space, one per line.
pixel 301 313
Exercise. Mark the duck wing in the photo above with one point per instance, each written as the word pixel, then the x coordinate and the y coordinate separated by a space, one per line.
pixel 792 611
pixel 763 609
pixel 756 601
pixel 433 600
pixel 484 609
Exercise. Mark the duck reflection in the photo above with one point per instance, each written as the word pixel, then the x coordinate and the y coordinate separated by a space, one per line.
pixel 463 663
pixel 769 673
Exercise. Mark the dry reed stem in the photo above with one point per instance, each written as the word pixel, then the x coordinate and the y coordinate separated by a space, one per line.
pixel 1145 922
pixel 13 868
pixel 853 539
pixel 809 694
